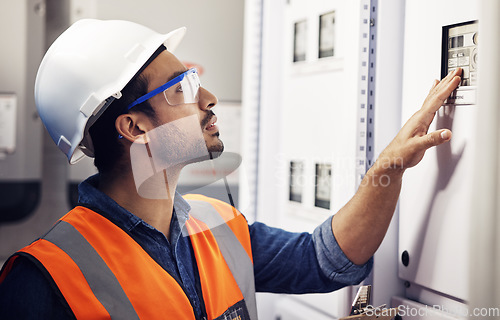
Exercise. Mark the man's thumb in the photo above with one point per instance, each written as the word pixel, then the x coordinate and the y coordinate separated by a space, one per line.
pixel 445 135
pixel 436 138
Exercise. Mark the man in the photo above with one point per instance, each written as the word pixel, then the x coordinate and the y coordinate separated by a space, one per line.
pixel 135 248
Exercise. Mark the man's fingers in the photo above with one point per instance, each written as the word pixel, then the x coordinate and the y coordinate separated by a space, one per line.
pixel 451 75
pixel 435 138
pixel 441 90
pixel 448 88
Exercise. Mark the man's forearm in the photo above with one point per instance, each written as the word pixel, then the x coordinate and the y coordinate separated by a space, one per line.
pixel 360 226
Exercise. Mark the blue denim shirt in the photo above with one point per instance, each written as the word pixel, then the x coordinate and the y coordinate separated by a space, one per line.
pixel 284 262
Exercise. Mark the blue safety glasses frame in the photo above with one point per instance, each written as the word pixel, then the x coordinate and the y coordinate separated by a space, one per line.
pixel 187 92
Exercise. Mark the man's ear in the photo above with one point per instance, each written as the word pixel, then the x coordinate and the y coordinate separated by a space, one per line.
pixel 131 126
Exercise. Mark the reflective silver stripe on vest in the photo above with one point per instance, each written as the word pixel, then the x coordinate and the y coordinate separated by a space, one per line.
pixel 234 253
pixel 100 278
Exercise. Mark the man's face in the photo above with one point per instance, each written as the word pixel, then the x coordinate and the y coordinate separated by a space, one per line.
pixel 165 67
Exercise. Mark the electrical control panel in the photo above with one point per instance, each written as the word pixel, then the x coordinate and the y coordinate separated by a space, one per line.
pixel 459 50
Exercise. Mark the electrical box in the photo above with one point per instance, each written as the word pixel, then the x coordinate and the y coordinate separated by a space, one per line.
pixel 23 33
pixel 320 79
pixel 316 156
pixel 435 202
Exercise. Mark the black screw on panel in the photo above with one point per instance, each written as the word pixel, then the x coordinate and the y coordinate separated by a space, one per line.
pixel 405 258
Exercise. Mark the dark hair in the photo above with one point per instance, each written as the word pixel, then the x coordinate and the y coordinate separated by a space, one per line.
pixel 107 149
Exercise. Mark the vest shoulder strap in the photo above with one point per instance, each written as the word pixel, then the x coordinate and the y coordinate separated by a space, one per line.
pixel 236 250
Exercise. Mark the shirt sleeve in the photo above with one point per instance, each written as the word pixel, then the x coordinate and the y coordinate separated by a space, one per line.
pixel 332 260
pixel 296 263
pixel 27 294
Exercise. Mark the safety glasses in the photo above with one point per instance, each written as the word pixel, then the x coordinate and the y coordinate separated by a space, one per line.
pixel 182 89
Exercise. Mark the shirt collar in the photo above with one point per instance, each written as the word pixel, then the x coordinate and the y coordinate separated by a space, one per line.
pixel 90 195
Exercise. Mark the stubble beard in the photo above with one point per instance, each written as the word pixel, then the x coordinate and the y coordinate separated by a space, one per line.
pixel 216 150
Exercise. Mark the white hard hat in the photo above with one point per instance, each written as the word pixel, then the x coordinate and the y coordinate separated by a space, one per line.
pixel 85 69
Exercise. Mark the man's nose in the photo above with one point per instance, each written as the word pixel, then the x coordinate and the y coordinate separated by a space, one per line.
pixel 207 99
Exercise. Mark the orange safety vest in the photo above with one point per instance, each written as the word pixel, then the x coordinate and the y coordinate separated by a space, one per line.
pixel 103 273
